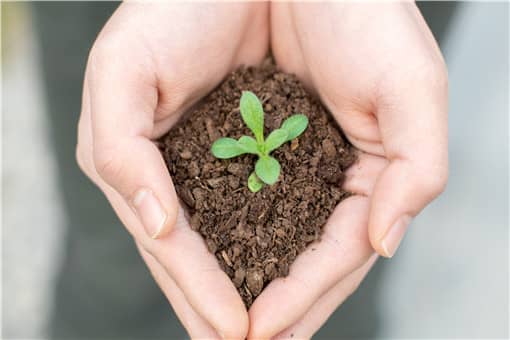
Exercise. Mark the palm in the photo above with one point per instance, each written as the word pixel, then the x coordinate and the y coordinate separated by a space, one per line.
pixel 191 53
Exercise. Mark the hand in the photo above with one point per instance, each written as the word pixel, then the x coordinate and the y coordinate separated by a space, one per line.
pixel 149 64
pixel 379 71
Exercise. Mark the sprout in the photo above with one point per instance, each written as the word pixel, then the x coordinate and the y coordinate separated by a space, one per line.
pixel 267 168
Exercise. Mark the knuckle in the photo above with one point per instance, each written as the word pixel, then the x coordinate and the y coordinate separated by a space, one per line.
pixel 80 149
pixel 432 72
pixel 145 248
pixel 104 49
pixel 439 75
pixel 83 161
pixel 442 74
pixel 108 165
pixel 434 183
pixel 80 157
pixel 353 287
pixel 97 55
pixel 428 71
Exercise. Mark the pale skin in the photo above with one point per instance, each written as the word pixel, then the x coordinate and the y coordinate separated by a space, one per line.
pixel 375 66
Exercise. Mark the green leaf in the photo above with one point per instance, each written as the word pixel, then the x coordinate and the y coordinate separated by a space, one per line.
pixel 275 139
pixel 295 125
pixel 249 145
pixel 226 148
pixel 253 114
pixel 254 183
pixel 267 169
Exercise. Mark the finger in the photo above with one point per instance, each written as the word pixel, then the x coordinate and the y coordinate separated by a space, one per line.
pixel 319 313
pixel 360 142
pixel 286 50
pixel 404 107
pixel 182 254
pixel 194 324
pixel 344 248
pixel 361 177
pixel 196 272
pixel 122 125
pixel 413 123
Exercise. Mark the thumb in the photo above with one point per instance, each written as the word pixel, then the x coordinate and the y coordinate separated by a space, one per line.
pixel 135 169
pixel 123 100
pixel 414 136
pixel 403 189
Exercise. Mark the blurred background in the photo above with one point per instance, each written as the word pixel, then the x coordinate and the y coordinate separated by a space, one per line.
pixel 69 270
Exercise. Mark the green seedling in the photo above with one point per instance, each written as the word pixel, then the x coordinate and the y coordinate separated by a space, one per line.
pixel 267 168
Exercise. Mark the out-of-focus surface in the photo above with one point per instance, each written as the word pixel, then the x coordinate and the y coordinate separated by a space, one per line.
pixel 450 276
pixel 33 218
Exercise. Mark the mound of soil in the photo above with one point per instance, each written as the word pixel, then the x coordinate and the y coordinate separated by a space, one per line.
pixel 257 236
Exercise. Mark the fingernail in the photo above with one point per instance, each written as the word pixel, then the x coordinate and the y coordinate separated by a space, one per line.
pixel 150 212
pixel 395 235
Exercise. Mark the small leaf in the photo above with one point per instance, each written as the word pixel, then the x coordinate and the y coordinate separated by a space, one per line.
pixel 253 114
pixel 254 183
pixel 226 148
pixel 249 145
pixel 275 139
pixel 267 169
pixel 295 125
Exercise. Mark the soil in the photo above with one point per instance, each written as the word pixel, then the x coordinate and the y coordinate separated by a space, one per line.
pixel 257 236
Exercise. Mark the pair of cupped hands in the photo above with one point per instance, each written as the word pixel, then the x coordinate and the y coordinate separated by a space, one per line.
pixel 376 67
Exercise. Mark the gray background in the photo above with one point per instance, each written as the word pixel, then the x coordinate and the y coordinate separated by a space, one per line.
pixel 449 278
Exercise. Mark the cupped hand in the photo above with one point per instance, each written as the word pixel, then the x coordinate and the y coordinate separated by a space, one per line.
pixel 379 71
pixel 149 64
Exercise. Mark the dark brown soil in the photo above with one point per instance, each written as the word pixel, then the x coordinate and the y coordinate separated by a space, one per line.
pixel 257 236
